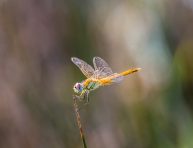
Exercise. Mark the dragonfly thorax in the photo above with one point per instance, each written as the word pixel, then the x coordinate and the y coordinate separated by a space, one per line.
pixel 92 85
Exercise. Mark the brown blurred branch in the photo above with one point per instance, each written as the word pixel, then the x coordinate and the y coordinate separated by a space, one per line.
pixel 78 121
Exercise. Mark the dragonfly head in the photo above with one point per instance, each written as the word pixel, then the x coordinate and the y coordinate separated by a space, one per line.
pixel 78 88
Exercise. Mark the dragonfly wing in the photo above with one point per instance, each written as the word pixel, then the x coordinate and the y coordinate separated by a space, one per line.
pixel 86 69
pixel 116 78
pixel 102 69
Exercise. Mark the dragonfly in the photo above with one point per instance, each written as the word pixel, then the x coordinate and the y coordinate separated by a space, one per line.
pixel 100 75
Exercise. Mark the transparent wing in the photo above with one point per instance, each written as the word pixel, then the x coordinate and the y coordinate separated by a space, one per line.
pixel 116 78
pixel 86 69
pixel 102 69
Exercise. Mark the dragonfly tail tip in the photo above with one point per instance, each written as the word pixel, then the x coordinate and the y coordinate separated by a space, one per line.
pixel 139 69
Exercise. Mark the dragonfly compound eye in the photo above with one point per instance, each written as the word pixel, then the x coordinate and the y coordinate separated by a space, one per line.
pixel 78 88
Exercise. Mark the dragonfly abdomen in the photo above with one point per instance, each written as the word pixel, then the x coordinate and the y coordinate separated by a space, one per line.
pixel 124 73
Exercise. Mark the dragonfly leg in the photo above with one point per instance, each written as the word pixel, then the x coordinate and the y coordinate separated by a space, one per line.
pixel 81 97
pixel 87 97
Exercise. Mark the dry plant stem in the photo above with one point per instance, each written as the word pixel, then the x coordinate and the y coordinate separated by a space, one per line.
pixel 78 121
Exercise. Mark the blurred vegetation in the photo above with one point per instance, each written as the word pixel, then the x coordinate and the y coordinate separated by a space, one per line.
pixel 150 109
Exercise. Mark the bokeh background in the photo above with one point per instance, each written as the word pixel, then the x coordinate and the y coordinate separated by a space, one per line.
pixel 150 109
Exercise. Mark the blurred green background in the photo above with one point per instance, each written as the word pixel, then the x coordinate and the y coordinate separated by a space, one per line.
pixel 150 109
